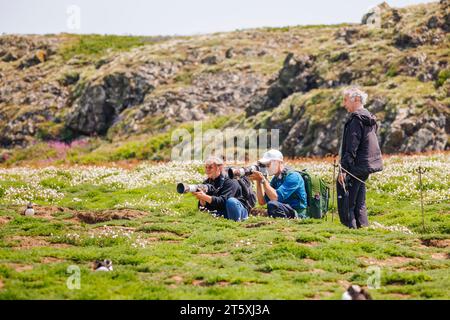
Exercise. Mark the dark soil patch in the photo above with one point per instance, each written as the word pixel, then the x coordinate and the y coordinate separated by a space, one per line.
pixel 4 220
pixel 438 243
pixel 47 260
pixel 203 283
pixel 389 262
pixel 258 224
pixel 51 212
pixel 261 212
pixel 108 215
pixel 440 256
pixel 214 254
pixel 27 242
pixel 20 267
pixel 88 216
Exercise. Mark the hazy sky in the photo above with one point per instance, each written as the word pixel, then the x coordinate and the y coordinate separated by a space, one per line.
pixel 170 17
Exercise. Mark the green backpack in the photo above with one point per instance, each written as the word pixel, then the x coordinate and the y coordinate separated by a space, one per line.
pixel 317 194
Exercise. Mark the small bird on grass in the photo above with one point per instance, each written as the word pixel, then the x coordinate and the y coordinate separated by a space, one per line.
pixel 355 292
pixel 29 211
pixel 103 265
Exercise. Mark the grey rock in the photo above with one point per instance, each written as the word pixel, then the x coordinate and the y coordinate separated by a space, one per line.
pixel 433 22
pixel 100 104
pixel 298 74
pixel 348 35
pixel 211 60
pixel 342 56
pixel 405 41
pixel 8 57
pixel 229 53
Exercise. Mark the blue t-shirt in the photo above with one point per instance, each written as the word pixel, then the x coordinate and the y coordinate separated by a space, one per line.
pixel 290 189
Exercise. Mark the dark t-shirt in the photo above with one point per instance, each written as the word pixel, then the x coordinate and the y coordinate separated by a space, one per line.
pixel 225 188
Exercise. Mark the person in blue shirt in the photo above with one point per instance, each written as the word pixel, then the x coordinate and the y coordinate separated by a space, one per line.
pixel 285 195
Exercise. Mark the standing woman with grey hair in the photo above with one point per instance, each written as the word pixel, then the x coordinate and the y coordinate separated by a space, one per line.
pixel 360 155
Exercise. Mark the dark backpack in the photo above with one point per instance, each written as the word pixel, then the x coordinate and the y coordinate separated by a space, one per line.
pixel 317 195
pixel 247 191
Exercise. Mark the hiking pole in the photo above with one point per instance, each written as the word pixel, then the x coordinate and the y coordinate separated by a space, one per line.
pixel 352 175
pixel 421 197
pixel 333 189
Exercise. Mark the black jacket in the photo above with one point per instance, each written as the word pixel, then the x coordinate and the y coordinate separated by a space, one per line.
pixel 225 188
pixel 360 152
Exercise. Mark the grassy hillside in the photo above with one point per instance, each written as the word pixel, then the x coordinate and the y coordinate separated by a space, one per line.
pixel 153 85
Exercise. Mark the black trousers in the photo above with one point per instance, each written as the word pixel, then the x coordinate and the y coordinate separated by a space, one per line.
pixel 352 205
pixel 276 209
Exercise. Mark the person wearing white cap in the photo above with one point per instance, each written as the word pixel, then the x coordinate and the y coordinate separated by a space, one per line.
pixel 226 199
pixel 285 195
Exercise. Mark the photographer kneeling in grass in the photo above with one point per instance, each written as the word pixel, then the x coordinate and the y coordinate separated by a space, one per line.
pixel 226 198
pixel 285 195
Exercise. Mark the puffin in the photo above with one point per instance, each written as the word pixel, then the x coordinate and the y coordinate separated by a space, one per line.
pixel 103 265
pixel 29 211
pixel 355 292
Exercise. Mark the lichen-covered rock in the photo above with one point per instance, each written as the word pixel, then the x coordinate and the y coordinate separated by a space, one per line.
pixel 298 74
pixel 33 59
pixel 411 131
pixel 100 104
pixel 217 94
pixel 347 35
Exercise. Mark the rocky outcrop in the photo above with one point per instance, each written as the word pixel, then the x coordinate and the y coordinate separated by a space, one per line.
pixel 382 16
pixel 101 103
pixel 417 132
pixel 20 130
pixel 27 51
pixel 218 94
pixel 105 97
pixel 308 138
pixel 288 78
pixel 420 66
pixel 297 75
pixel 401 130
pixel 347 35
pixel 445 15
pixel 432 32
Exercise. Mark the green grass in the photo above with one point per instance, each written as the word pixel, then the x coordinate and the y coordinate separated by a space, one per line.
pixel 154 147
pixel 442 77
pixel 192 255
pixel 95 45
pixel 305 27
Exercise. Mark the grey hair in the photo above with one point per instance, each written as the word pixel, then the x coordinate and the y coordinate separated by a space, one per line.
pixel 214 160
pixel 354 92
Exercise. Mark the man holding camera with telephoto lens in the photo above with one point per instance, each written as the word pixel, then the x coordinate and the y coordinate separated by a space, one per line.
pixel 285 195
pixel 226 197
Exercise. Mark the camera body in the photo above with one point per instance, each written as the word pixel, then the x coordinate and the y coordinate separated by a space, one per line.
pixel 186 188
pixel 246 171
